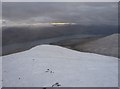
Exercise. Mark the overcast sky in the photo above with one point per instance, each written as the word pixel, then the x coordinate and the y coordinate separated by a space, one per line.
pixel 87 13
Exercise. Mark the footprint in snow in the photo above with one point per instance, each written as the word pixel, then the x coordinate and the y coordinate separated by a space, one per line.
pixel 19 78
pixel 33 59
pixel 56 85
pixel 48 70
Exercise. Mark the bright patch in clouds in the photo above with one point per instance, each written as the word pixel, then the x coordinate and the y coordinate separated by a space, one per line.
pixel 61 23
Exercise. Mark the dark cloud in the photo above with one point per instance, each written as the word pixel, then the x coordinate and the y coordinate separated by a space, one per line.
pixel 83 13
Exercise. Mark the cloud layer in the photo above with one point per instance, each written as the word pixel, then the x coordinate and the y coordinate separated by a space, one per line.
pixel 87 13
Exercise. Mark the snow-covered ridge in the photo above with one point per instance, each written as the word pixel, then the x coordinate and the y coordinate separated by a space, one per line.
pixel 48 65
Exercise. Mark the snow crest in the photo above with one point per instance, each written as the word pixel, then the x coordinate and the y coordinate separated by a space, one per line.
pixel 54 66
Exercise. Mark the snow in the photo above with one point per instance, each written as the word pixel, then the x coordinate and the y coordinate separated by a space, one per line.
pixel 0 72
pixel 107 45
pixel 46 65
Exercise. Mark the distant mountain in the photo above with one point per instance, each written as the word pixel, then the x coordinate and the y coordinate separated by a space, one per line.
pixel 12 35
pixel 20 38
pixel 50 66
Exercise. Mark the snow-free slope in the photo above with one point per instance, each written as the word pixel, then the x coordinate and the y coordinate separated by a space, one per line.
pixel 46 65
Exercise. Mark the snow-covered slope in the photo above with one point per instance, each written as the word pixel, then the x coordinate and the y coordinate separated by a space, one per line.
pixel 107 45
pixel 46 65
